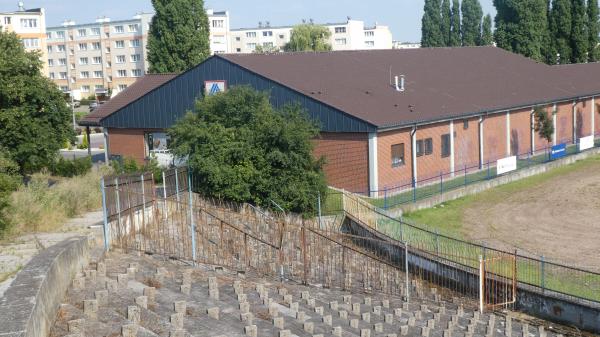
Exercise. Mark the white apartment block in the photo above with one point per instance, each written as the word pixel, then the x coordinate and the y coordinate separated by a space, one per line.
pixel 97 57
pixel 30 27
pixel 218 23
pixel 351 35
pixel 406 45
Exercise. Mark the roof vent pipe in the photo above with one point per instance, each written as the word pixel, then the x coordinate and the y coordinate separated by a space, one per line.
pixel 399 86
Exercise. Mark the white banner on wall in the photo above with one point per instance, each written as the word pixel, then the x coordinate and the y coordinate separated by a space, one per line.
pixel 586 143
pixel 506 165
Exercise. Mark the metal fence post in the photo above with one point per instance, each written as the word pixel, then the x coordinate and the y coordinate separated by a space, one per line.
pixel 118 202
pixel 385 205
pixel 401 229
pixel 441 183
pixel 481 283
pixel 319 208
pixel 414 190
pixel 437 243
pixel 177 185
pixel 105 215
pixel 192 221
pixel 488 170
pixel 465 175
pixel 164 186
pixel 406 271
pixel 542 276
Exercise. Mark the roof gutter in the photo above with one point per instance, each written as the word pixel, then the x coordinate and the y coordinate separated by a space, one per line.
pixel 408 124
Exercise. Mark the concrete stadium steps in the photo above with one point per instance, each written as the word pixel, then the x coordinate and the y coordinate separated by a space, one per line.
pixel 127 295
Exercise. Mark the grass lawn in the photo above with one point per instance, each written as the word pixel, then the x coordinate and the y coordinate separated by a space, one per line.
pixel 448 217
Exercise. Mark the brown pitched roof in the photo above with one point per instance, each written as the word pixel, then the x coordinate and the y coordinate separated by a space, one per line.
pixel 133 92
pixel 440 82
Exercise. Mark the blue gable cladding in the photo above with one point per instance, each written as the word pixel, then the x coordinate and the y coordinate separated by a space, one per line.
pixel 162 107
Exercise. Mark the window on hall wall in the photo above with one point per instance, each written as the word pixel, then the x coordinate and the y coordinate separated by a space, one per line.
pixel 428 146
pixel 397 155
pixel 446 145
pixel 419 144
pixel 465 124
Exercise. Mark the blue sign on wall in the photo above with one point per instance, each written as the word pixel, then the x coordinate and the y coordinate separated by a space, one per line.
pixel 558 151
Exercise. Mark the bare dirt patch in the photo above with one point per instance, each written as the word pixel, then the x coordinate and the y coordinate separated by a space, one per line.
pixel 558 217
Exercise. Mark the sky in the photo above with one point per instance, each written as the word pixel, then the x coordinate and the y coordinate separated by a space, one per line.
pixel 402 16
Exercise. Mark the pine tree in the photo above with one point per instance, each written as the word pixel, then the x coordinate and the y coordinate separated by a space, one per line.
pixel 522 27
pixel 179 35
pixel 593 30
pixel 560 28
pixel 579 36
pixel 471 22
pixel 487 38
pixel 446 26
pixel 455 34
pixel 550 49
pixel 431 33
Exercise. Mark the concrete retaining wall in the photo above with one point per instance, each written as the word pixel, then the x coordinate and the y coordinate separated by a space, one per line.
pixel 29 305
pixel 487 184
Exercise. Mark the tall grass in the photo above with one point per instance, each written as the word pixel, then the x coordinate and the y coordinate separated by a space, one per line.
pixel 46 202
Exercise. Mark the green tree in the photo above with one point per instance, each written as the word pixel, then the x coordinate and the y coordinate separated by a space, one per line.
pixel 9 180
pixel 241 148
pixel 543 124
pixel 593 30
pixel 455 34
pixel 431 32
pixel 308 37
pixel 560 28
pixel 579 35
pixel 471 22
pixel 35 120
pixel 260 49
pixel 522 27
pixel 179 35
pixel 487 37
pixel 446 25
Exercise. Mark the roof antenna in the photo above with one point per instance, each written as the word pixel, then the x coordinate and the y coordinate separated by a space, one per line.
pixel 21 6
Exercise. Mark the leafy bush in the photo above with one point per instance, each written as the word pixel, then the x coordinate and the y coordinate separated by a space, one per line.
pixel 9 181
pixel 130 166
pixel 84 142
pixel 70 168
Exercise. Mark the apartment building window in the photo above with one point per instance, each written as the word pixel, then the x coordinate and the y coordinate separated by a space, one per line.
pixel 250 34
pixel 64 88
pixel 98 87
pixel 63 75
pixel 49 49
pixel 85 88
pixel 397 155
pixel 61 48
pixel 136 72
pixel 60 34
pixel 95 31
pixel 268 44
pixel 7 20
pixel 81 32
pixel 109 78
pixel 31 43
pixel 134 43
pixel 120 58
pixel 108 64
pixel 73 79
pixel 340 30
pixel 120 44
pixel 122 73
pixel 96 46
pixel 424 146
pixel 52 76
pixel 370 43
pixel 73 66
pixel 133 28
pixel 107 34
pixel 50 63
pixel 49 35
pixel 107 49
pixel 341 41
pixel 97 74
pixel 70 37
pixel 62 61
pixel 119 29
pixel 267 33
pixel 28 23
pixel 281 36
pixel 369 33
pixel 83 46
pixel 122 87
pixel 84 74
pixel 446 145
pixel 237 38
pixel 83 60
pixel 71 51
pixel 239 50
pixel 135 58
pixel 96 60
pixel 251 46
pixel 218 23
